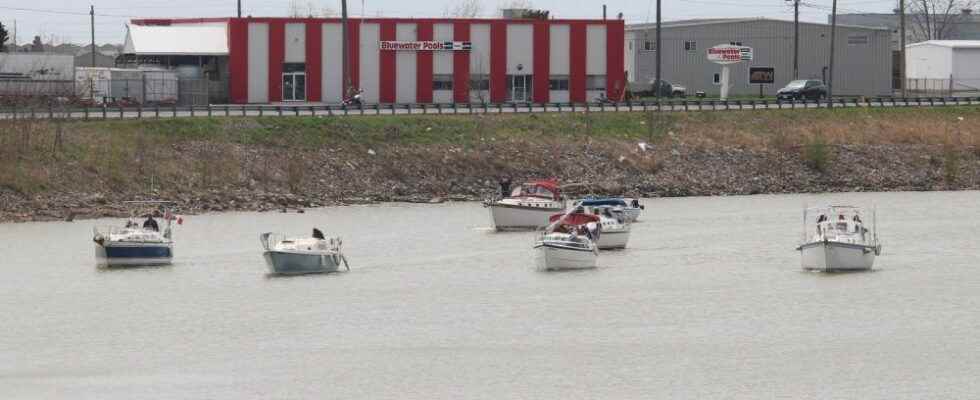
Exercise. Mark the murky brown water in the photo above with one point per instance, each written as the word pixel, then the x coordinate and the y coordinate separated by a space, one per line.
pixel 708 302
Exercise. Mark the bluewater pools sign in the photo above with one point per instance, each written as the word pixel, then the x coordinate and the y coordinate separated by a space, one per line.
pixel 426 46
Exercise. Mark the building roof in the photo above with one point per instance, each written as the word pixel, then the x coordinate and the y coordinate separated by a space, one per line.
pixel 209 39
pixel 956 44
pixel 716 21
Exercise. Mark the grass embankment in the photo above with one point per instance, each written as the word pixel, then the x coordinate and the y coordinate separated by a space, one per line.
pixel 257 163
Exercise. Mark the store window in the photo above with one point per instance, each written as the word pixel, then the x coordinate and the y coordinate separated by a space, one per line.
pixel 442 82
pixel 691 46
pixel 558 82
pixel 595 82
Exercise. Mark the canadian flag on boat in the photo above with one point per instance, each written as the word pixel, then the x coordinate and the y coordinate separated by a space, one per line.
pixel 168 216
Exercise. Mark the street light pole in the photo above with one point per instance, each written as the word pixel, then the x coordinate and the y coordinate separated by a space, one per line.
pixel 901 51
pixel 833 43
pixel 91 13
pixel 345 49
pixel 656 83
pixel 239 8
pixel 796 39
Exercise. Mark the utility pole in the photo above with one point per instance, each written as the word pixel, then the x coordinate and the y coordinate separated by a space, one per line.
pixel 833 42
pixel 91 13
pixel 796 39
pixel 239 8
pixel 346 50
pixel 901 51
pixel 603 12
pixel 657 83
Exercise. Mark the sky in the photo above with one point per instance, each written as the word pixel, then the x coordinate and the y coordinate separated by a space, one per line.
pixel 61 21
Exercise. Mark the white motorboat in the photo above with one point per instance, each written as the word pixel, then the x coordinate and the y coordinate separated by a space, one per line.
pixel 139 242
pixel 527 208
pixel 614 232
pixel 839 240
pixel 631 208
pixel 298 256
pixel 567 244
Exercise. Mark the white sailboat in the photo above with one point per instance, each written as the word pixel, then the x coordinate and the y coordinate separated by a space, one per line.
pixel 141 242
pixel 297 256
pixel 839 240
pixel 568 243
pixel 528 207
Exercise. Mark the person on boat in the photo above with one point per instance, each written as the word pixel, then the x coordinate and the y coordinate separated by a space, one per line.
pixel 635 203
pixel 317 234
pixel 505 183
pixel 131 224
pixel 151 224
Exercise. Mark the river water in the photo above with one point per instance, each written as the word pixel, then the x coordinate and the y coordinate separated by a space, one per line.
pixel 708 302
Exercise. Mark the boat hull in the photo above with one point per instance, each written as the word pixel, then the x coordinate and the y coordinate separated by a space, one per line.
pixel 289 263
pixel 126 254
pixel 512 218
pixel 556 258
pixel 632 214
pixel 613 240
pixel 832 256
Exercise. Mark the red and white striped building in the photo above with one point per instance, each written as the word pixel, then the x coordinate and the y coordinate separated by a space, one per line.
pixel 395 60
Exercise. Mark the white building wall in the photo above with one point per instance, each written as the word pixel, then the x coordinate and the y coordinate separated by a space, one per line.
pixel 928 62
pixel 332 61
pixel 480 57
pixel 966 64
pixel 595 56
pixel 406 65
pixel 560 59
pixel 520 49
pixel 258 63
pixel 442 61
pixel 370 61
pixel 295 43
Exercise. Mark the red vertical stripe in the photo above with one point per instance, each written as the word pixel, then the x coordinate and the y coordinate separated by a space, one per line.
pixel 542 62
pixel 277 55
pixel 238 60
pixel 387 68
pixel 314 61
pixel 423 93
pixel 461 64
pixel 498 62
pixel 354 53
pixel 577 62
pixel 615 63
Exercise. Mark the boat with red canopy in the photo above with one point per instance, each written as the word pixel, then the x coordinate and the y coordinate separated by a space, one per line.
pixel 528 207
pixel 569 242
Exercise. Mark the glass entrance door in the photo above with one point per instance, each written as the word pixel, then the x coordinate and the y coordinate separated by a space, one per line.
pixel 520 88
pixel 294 86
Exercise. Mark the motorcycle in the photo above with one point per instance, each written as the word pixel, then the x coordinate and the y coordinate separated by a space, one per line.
pixel 354 100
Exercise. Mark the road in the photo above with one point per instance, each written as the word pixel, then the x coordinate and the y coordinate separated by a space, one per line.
pixel 414 109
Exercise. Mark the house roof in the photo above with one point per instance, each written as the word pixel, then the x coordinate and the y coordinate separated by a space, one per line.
pixel 716 21
pixel 186 39
pixel 956 44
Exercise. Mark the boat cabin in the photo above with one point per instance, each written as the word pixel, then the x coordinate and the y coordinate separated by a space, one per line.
pixel 540 189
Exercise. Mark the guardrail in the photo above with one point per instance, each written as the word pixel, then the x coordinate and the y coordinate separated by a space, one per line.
pixel 155 112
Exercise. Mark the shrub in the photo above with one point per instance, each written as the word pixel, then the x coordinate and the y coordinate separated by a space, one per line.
pixel 816 153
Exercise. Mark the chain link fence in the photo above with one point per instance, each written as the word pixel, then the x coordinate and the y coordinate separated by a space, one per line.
pixel 147 91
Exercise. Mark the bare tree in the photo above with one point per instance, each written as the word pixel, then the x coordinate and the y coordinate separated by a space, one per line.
pixel 516 4
pixel 937 19
pixel 465 9
pixel 309 9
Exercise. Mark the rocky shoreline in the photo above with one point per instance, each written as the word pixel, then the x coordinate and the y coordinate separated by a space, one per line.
pixel 349 175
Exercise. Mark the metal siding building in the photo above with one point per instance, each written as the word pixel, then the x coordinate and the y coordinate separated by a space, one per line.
pixel 864 62
pixel 956 60
pixel 290 59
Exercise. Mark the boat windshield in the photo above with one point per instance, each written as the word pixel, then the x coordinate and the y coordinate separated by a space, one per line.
pixel 533 190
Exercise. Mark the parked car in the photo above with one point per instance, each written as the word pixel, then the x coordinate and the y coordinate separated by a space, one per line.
pixel 666 89
pixel 809 89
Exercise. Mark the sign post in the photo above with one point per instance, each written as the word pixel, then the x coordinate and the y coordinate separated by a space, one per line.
pixel 726 55
pixel 762 76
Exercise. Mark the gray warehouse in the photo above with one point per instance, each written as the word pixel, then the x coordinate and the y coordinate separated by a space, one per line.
pixel 863 60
